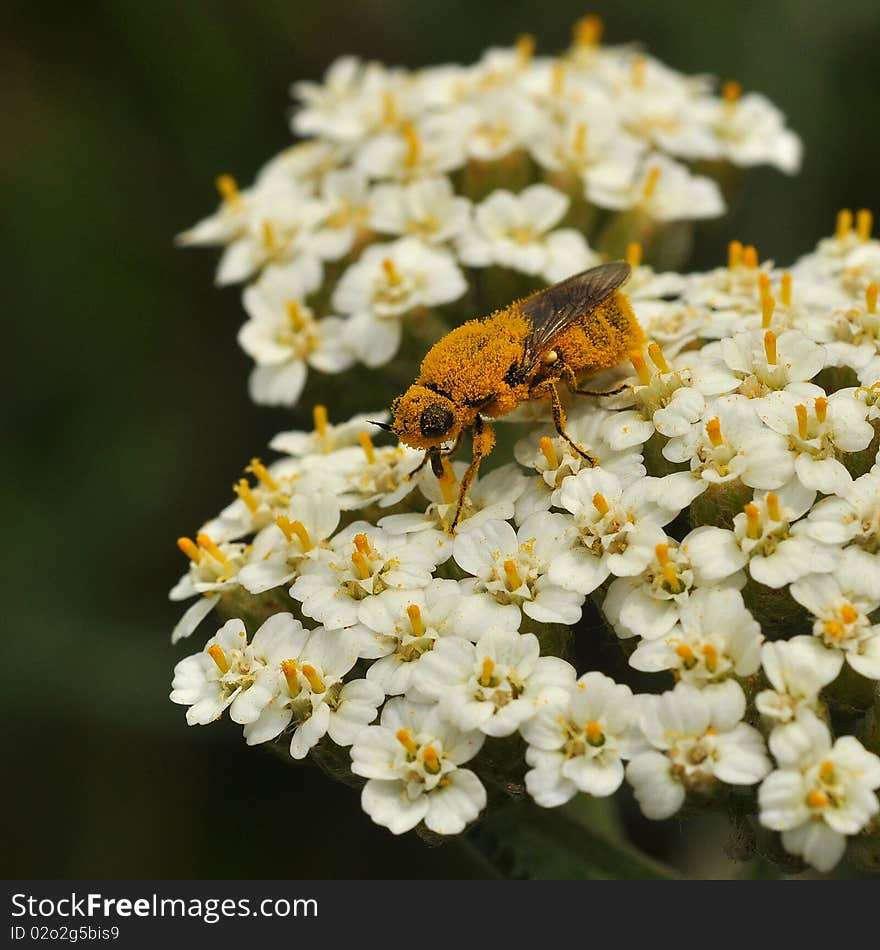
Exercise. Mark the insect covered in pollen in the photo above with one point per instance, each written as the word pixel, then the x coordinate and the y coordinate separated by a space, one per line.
pixel 485 368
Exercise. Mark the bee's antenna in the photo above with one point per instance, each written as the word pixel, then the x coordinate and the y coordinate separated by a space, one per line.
pixel 381 425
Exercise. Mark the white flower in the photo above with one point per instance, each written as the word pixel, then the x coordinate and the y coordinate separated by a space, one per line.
pixel 715 638
pixel 765 362
pixel 426 148
pixel 387 282
pixel 842 609
pixel 797 670
pixel 427 209
pixel 494 685
pixel 326 437
pixel 413 761
pixel 696 739
pixel 496 124
pixel 407 624
pixel 821 793
pixel 362 562
pixel 512 566
pixel 579 744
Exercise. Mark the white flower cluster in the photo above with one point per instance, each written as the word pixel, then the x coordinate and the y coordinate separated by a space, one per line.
pixel 730 534
pixel 409 181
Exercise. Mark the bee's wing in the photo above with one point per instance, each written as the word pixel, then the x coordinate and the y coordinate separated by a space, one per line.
pixel 550 311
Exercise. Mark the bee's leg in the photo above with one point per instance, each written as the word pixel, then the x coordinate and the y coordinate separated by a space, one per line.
pixel 571 381
pixel 548 387
pixel 483 443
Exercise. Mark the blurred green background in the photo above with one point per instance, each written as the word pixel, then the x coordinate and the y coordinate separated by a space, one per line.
pixel 126 418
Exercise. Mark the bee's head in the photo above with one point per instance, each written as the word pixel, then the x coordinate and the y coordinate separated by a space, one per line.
pixel 423 419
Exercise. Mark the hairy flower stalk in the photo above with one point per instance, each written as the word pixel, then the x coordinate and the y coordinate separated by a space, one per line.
pixel 729 534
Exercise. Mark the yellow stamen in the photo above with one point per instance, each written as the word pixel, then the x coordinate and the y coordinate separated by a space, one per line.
pixel 548 450
pixel 294 315
pixel 208 545
pixel 487 670
pixel 228 188
pixel 315 681
pixel 821 407
pixel 770 347
pixel 190 549
pixel 431 759
pixel 512 575
pixel 864 224
pixel 848 613
pixel 685 653
pixel 594 732
pixel 296 529
pixel 269 237
pixel 801 412
pixel 713 431
pixel 215 651
pixel 785 289
pixel 389 109
pixel 753 521
pixel 413 146
pixel 641 367
pixel 242 488
pixel 392 274
pixel 415 620
pixel 588 31
pixel 290 669
pixel 362 543
pixel 710 655
pixel 404 737
pixel 711 731
pixel 639 66
pixel 826 771
pixel 731 91
pixel 259 470
pixel 871 298
pixel 361 565
pixel 773 511
pixel 817 799
pixel 657 358
pixel 580 138
pixel 651 179
pixel 600 503
pixel 750 256
pixel 367 445
pixel 662 552
pixel 734 254
pixel 319 415
pixel 634 254
pixel 833 629
pixel 844 223
pixel 768 305
pixel 525 47
pixel 557 79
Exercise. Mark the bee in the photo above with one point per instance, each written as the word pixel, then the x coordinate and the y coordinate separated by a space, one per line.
pixel 485 368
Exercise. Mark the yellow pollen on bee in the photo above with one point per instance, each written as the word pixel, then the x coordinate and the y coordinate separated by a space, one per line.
pixel 580 138
pixel 833 629
pixel 190 549
pixel 594 731
pixel 844 223
pixel 710 655
pixel 821 407
pixel 405 738
pixel 801 412
pixel 768 305
pixel 257 469
pixel 651 179
pixel 600 504
pixel 685 653
pixel 734 254
pixel 215 651
pixel 753 521
pixel 525 47
pixel 270 240
pixel 205 542
pixel 448 483
pixel 413 146
pixel 588 31
pixel 557 78
pixel 315 681
pixel 228 189
pixel 367 445
pixel 750 256
pixel 548 450
pixel 657 358
pixel 294 529
pixel 770 348
pixel 415 620
pixel 392 274
pixel 826 771
pixel 512 575
pixel 864 224
pixel 294 315
pixel 871 298
pixel 242 489
pixel 634 254
pixel 848 613
pixel 431 760
pixel 817 799
pixel 487 669
pixel 731 92
pixel 639 68
pixel 641 367
pixel 361 565
pixel 290 669
pixel 773 510
pixel 319 417
pixel 713 431
pixel 785 289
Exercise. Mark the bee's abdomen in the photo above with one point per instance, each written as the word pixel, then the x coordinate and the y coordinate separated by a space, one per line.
pixel 602 338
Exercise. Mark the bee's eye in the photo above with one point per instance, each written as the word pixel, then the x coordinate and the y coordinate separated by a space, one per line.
pixel 435 420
